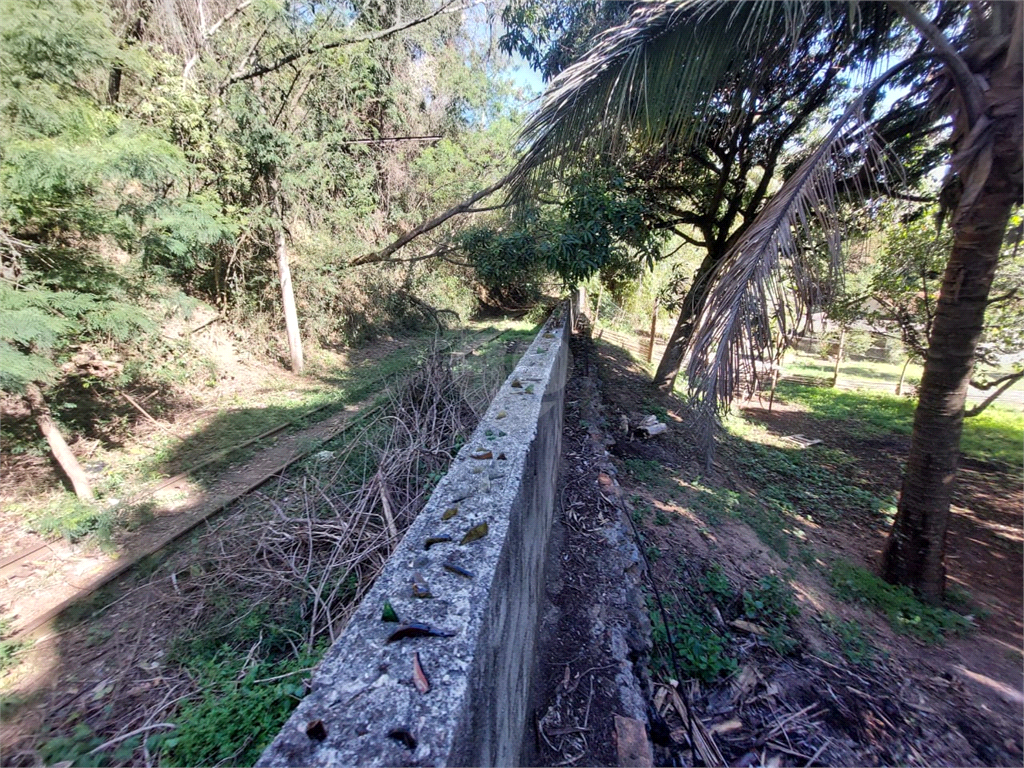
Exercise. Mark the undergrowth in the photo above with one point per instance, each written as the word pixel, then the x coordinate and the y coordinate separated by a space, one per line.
pixel 906 614
pixel 238 711
pixel 698 615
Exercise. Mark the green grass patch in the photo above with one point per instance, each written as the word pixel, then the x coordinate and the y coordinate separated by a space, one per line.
pixel 644 471
pixel 870 414
pixel 813 483
pixel 996 434
pixel 237 714
pixel 906 614
pixel 854 644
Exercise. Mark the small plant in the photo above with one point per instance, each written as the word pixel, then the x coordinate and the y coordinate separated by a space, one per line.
pixel 661 517
pixel 715 582
pixel 239 711
pixel 770 602
pixel 9 649
pixel 653 553
pixel 906 614
pixel 771 605
pixel 855 646
pixel 73 519
pixel 701 652
pixel 643 471
pixel 716 504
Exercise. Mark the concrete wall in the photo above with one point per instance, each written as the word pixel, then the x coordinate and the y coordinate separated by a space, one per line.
pixel 475 711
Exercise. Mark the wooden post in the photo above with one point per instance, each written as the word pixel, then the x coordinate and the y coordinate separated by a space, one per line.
pixel 61 452
pixel 654 329
pixel 284 275
pixel 600 293
pixel 839 356
pixel 903 373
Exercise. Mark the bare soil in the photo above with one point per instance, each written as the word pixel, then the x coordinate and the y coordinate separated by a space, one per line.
pixel 103 662
pixel 954 703
pixel 594 629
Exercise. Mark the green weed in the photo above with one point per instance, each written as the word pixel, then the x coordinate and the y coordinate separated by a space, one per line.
pixel 67 516
pixel 770 604
pixel 811 483
pixel 236 715
pixel 906 614
pixel 714 581
pixel 645 472
pixel 9 649
pixel 855 646
pixel 701 651
pixel 715 504
pixel 661 517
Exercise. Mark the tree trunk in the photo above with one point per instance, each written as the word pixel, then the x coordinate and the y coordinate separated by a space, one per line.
pixel 839 356
pixel 61 452
pixel 693 304
pixel 291 317
pixel 915 550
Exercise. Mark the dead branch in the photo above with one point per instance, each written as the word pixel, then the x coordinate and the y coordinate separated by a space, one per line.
pixel 381 34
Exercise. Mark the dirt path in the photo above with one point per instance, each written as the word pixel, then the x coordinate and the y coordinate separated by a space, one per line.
pixel 55 574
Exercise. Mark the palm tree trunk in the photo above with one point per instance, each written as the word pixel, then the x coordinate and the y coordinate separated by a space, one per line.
pixel 693 304
pixel 914 552
pixel 58 446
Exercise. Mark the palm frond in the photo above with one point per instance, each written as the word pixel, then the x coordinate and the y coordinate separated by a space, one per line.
pixel 654 80
pixel 767 283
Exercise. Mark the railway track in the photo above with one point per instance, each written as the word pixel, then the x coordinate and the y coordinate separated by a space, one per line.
pixel 41 552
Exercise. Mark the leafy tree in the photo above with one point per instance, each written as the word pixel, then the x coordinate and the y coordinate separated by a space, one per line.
pixel 904 293
pixel 963 46
pixel 74 178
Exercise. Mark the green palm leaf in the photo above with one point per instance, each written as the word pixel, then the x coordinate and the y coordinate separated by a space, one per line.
pixel 653 80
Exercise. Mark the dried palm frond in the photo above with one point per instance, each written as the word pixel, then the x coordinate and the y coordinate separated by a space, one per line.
pixel 767 283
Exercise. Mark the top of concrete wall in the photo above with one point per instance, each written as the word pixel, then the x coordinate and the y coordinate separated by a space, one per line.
pixel 364 707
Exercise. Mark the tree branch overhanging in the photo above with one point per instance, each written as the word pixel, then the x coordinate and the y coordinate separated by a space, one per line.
pixel 466 206
pixel 1007 382
pixel 380 34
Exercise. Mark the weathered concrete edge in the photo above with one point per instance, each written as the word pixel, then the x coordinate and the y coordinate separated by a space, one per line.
pixel 475 711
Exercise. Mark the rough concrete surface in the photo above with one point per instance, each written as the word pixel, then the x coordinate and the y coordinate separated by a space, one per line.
pixel 364 707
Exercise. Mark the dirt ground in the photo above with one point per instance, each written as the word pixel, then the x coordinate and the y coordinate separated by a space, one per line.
pixel 33 586
pixel 99 671
pixel 594 628
pixel 958 702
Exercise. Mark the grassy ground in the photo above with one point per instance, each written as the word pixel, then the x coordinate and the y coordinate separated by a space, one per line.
pixel 767 590
pixel 996 434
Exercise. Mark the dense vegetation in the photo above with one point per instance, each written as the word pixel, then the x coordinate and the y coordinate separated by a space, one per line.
pixel 165 163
